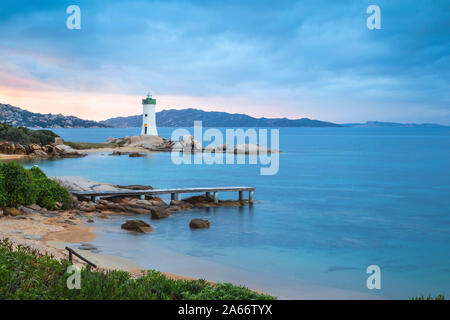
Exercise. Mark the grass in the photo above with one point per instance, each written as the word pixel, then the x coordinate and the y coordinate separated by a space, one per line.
pixel 429 297
pixel 90 145
pixel 26 273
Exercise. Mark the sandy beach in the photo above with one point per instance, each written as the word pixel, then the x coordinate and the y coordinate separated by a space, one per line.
pixel 53 234
pixel 12 156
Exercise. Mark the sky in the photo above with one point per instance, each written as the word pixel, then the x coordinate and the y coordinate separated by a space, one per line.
pixel 294 59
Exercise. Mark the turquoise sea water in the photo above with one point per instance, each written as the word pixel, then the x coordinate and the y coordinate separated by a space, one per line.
pixel 343 199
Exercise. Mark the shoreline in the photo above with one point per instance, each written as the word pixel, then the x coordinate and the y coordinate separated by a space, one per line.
pixel 4 156
pixel 52 235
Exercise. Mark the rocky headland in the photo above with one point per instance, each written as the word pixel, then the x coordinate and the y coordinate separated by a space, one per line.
pixel 54 150
pixel 185 144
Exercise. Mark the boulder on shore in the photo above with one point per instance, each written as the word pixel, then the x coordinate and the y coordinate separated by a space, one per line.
pixel 137 226
pixel 10 211
pixel 199 224
pixel 40 153
pixel 64 151
pixel 84 184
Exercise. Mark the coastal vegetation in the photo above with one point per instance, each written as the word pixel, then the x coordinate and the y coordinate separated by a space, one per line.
pixel 26 136
pixel 90 145
pixel 429 297
pixel 26 273
pixel 20 186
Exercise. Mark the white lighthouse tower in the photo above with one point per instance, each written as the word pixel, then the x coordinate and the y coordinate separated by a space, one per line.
pixel 148 116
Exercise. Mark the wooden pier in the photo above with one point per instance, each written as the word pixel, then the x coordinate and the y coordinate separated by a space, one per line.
pixel 175 193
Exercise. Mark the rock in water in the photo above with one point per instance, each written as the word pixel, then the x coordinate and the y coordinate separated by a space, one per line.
pixel 137 226
pixel 135 187
pixel 199 224
pixel 159 214
pixel 136 155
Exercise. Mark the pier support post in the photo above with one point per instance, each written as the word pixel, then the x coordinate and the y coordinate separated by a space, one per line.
pixel 96 199
pixel 250 196
pixel 142 196
pixel 241 195
pixel 172 196
pixel 216 197
pixel 207 194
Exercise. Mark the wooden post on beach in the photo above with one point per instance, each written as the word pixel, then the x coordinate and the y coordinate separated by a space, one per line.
pixel 207 195
pixel 241 195
pixel 216 197
pixel 250 196
pixel 172 196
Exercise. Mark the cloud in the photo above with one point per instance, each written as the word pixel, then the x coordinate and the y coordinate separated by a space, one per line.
pixel 313 58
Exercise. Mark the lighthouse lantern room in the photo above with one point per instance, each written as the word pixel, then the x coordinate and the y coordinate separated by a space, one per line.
pixel 148 116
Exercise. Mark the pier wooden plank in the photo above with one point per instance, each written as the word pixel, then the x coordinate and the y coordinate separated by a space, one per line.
pixel 158 191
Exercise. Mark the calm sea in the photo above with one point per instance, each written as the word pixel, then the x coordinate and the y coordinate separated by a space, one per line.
pixel 343 199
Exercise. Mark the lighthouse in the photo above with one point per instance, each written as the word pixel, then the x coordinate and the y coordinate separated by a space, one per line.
pixel 148 116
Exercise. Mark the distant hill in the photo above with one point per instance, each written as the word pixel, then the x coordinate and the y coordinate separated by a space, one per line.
pixel 391 124
pixel 186 118
pixel 19 117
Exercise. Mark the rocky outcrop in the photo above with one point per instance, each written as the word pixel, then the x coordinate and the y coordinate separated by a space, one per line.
pixel 36 150
pixel 64 151
pixel 84 184
pixel 12 148
pixel 180 205
pixel 186 144
pixel 199 224
pixel 159 214
pixel 119 153
pixel 203 201
pixel 9 211
pixel 136 155
pixel 137 226
pixel 251 149
pixel 40 153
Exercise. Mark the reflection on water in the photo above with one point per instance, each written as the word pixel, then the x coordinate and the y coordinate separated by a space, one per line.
pixel 344 199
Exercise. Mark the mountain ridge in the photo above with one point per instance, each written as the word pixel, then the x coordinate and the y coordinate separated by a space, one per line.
pixel 19 117
pixel 16 116
pixel 186 118
pixel 385 124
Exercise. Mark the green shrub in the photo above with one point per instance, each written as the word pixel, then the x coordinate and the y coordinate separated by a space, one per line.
pixel 49 191
pixel 26 136
pixel 19 186
pixel 27 274
pixel 429 297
